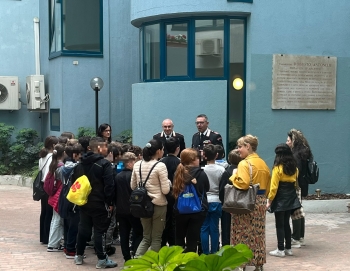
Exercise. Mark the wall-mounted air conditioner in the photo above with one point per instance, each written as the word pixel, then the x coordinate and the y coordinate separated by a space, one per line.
pixel 35 89
pixel 210 47
pixel 9 93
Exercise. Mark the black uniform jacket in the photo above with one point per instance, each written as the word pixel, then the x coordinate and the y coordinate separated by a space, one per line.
pixel 209 137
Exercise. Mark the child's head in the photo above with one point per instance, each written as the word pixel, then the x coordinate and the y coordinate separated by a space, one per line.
pixel 129 159
pixel 137 150
pixel 84 141
pixel 72 142
pixel 57 155
pixel 153 149
pixel 284 157
pixel 68 135
pixel 115 152
pixel 49 144
pixel 220 151
pixel 62 140
pixel 234 158
pixel 172 145
pixel 209 152
pixel 98 145
pixel 74 151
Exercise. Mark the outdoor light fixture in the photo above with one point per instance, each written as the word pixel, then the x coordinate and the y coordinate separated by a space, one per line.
pixel 237 83
pixel 96 84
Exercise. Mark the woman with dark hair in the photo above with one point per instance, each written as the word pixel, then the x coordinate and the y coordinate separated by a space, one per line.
pixel 157 186
pixel 105 131
pixel 283 199
pixel 302 153
pixel 188 226
pixel 249 229
pixel 46 210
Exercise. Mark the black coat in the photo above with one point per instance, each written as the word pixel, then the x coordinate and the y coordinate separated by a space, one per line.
pixel 210 136
pixel 286 198
pixel 162 137
pixel 123 191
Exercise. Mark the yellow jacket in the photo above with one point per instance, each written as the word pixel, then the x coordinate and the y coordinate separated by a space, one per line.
pixel 260 173
pixel 277 176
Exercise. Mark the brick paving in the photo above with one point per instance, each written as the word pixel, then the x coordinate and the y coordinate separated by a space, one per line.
pixel 327 238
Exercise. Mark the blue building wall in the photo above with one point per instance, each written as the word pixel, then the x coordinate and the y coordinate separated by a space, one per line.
pixel 315 27
pixel 181 102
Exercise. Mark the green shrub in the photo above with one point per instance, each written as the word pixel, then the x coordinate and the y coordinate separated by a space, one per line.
pixel 172 259
pixel 5 137
pixel 86 131
pixel 124 137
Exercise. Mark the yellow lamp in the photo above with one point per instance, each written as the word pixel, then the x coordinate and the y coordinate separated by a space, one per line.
pixel 237 84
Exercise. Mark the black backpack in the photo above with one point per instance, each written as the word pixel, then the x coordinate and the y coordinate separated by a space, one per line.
pixel 64 205
pixel 140 203
pixel 38 185
pixel 312 171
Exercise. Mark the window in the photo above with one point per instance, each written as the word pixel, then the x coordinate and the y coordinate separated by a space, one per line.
pixel 188 49
pixel 55 120
pixel 76 28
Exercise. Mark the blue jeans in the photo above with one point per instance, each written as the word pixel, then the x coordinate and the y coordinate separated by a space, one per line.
pixel 210 228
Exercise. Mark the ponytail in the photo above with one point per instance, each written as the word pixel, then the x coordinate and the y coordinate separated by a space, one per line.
pixel 50 141
pixel 57 154
pixel 151 149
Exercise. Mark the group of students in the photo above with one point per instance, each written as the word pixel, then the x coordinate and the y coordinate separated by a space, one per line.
pixel 168 176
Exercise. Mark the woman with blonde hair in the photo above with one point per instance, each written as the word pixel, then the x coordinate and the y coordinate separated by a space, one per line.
pixel 188 226
pixel 249 228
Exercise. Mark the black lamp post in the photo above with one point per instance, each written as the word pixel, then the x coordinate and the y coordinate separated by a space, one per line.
pixel 96 84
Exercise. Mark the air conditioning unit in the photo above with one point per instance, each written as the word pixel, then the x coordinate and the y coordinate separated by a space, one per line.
pixel 210 47
pixel 10 93
pixel 35 89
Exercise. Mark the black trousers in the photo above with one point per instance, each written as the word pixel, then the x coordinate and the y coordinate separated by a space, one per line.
pixel 126 223
pixel 225 228
pixel 283 229
pixel 97 218
pixel 71 230
pixel 45 219
pixel 188 226
pixel 169 230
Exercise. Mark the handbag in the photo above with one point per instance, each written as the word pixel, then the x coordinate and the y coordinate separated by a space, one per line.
pixel 238 201
pixel 298 213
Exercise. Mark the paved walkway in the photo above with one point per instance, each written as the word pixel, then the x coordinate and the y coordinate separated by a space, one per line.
pixel 327 237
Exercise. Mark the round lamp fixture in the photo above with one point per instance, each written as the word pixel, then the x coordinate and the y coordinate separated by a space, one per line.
pixel 96 83
pixel 237 84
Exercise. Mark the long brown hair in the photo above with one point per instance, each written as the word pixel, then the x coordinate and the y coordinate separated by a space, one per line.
pixel 182 174
pixel 57 155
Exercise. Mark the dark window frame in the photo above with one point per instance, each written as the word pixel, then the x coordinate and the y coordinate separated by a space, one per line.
pixel 55 127
pixel 64 52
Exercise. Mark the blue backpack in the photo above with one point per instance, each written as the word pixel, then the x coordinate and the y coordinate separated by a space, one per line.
pixel 188 201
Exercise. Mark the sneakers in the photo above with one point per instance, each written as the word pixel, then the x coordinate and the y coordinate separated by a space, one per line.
pixel 277 253
pixel 70 255
pixel 296 243
pixel 288 252
pixel 78 259
pixel 106 263
pixel 302 241
pixel 116 241
pixel 54 249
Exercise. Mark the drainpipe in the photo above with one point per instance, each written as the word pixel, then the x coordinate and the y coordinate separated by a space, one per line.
pixel 36 46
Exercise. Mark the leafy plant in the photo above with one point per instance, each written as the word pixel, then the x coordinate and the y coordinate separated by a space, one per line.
pixel 125 137
pixel 172 259
pixel 5 137
pixel 86 131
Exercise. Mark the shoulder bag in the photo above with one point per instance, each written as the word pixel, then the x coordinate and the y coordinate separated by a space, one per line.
pixel 238 201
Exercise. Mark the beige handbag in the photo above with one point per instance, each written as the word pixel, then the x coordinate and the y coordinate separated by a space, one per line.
pixel 298 213
pixel 238 201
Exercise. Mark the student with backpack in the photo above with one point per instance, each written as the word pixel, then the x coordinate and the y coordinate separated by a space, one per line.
pixel 67 210
pixel 126 220
pixel 53 185
pixel 157 186
pixel 97 211
pixel 46 209
pixel 210 227
pixel 302 153
pixel 188 225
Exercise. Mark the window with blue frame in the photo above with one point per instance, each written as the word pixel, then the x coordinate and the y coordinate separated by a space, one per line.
pixel 76 28
pixel 187 49
pixel 55 122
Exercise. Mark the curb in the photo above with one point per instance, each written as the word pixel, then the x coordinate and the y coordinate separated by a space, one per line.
pixel 16 180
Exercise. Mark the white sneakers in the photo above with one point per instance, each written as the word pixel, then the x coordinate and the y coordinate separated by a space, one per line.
pixel 277 253
pixel 288 252
pixel 296 243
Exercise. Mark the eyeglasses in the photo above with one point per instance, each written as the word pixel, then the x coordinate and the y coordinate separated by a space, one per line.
pixel 167 126
pixel 200 122
pixel 107 131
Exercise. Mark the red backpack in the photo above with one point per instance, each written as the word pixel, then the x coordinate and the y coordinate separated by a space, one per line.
pixel 50 186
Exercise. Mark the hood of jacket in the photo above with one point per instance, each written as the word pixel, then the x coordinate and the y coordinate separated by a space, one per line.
pixel 194 173
pixel 90 158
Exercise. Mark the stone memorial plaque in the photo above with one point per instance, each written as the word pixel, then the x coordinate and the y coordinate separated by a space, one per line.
pixel 303 82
